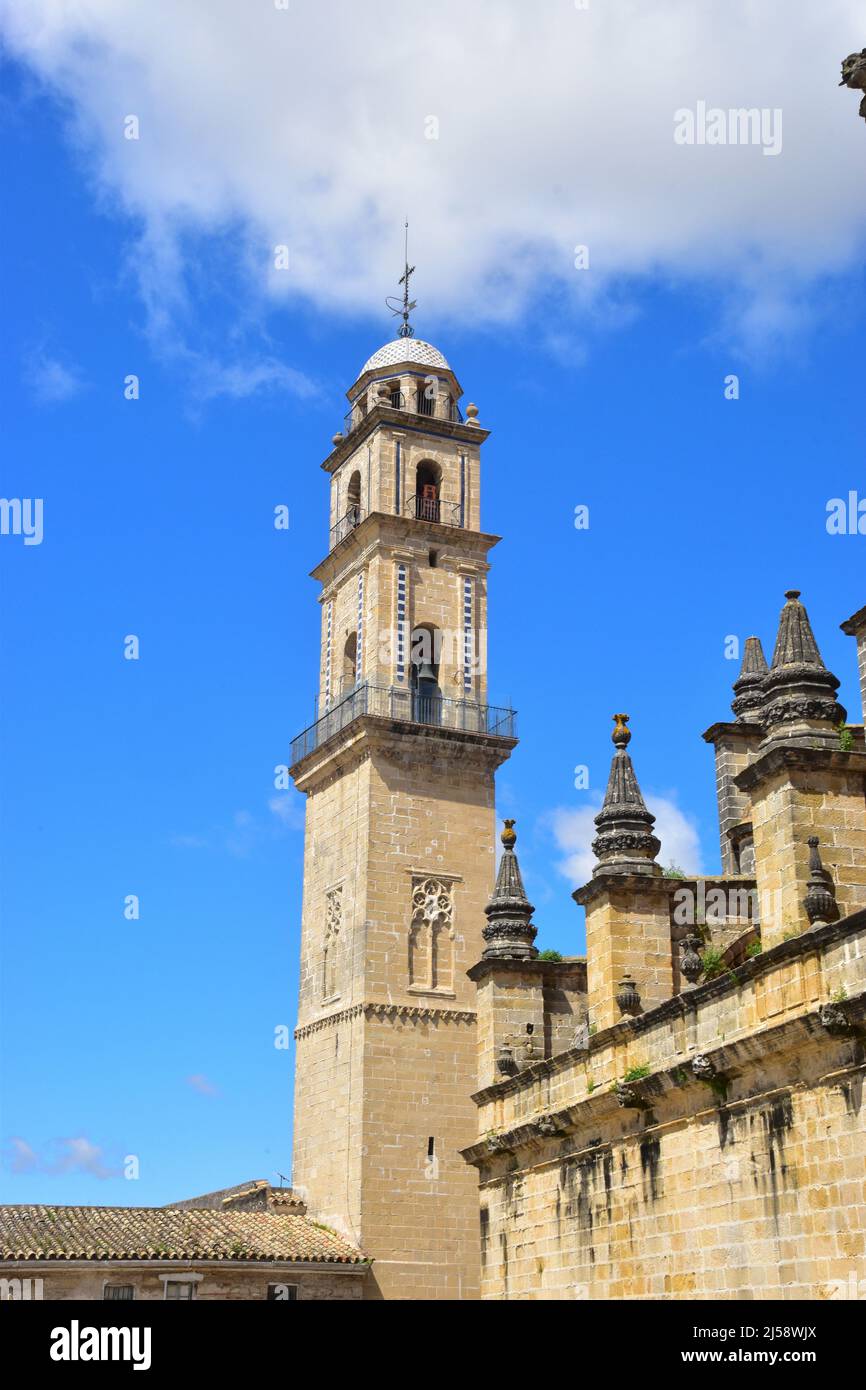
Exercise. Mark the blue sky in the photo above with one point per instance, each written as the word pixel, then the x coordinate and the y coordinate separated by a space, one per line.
pixel 155 1037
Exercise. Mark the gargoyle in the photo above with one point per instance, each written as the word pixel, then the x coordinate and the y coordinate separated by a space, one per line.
pixel 854 76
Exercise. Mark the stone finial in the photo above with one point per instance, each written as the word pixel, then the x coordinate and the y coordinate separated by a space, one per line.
pixel 509 932
pixel 798 687
pixel 337 439
pixel 820 900
pixel 749 685
pixel 625 842
pixel 621 735
pixel 472 415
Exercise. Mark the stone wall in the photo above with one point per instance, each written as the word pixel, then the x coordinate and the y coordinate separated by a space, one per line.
pixel 715 1148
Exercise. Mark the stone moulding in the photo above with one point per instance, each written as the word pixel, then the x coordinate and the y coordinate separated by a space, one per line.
pixel 370 734
pixel 415 1013
pixel 801 756
pixel 726 1061
pixel 688 1002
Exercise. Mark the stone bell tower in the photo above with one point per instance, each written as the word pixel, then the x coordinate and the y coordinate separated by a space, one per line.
pixel 398 773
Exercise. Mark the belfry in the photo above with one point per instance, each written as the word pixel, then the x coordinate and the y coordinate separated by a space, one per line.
pixel 398 773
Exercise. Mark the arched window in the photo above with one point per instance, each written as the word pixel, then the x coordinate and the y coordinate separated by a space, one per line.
pixel 353 499
pixel 431 935
pixel 350 662
pixel 424 653
pixel 428 477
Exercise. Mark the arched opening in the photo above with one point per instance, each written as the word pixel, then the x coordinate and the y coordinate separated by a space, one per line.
pixel 350 663
pixel 424 675
pixel 427 483
pixel 353 499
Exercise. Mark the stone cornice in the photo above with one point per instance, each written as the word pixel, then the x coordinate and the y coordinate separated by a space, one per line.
pixel 855 624
pixel 551 972
pixel 389 418
pixel 419 744
pixel 379 530
pixel 798 755
pixel 615 881
pixel 711 1067
pixel 739 729
pixel 680 1005
pixel 413 1013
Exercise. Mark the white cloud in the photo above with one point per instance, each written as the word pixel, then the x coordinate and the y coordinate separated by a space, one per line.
pixel 289 810
pixel 63 1156
pixel 200 1083
pixel 51 381
pixel 307 127
pixel 80 1156
pixel 574 832
pixel 23 1157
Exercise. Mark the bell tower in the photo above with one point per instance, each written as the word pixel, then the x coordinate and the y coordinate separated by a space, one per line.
pixel 398 771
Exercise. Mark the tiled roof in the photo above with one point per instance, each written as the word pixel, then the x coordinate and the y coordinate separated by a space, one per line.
pixel 405 350
pixel 159 1233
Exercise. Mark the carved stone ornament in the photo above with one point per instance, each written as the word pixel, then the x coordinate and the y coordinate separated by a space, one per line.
pixel 627 996
pixel 628 1097
pixel 548 1125
pixel 834 1019
pixel 703 1068
pixel 498 1144
pixel 854 75
pixel 820 900
pixel 691 964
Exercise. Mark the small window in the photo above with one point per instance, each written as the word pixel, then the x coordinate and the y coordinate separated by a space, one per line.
pixel 433 558
pixel 282 1293
pixel 179 1288
pixel 431 1146
pixel 113 1291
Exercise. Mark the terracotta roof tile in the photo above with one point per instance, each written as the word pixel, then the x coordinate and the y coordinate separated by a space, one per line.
pixel 154 1233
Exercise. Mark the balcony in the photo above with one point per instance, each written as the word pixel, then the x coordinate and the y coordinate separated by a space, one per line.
pixel 434 509
pixel 417 404
pixel 390 702
pixel 353 517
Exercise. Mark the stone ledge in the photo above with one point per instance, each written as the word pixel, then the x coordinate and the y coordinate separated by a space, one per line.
pixel 806 755
pixel 550 971
pixel 713 1068
pixel 678 1005
pixel 742 728
pixel 368 732
pixel 405 422
pixel 413 1012
pixel 855 624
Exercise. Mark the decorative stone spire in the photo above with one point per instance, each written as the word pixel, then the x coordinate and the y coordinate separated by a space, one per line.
pixel 798 688
pixel 509 931
pixel 820 900
pixel 625 842
pixel 749 685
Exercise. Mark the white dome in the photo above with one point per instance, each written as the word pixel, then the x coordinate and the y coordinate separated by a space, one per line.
pixel 405 350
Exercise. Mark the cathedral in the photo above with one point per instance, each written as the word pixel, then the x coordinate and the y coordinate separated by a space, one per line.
pixel 676 1116
pixel 679 1115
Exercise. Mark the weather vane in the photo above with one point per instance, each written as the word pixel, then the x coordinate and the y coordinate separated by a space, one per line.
pixel 404 308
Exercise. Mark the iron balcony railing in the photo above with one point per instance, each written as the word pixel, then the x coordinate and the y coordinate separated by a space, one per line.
pixel 419 404
pixel 353 517
pixel 434 509
pixel 390 702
